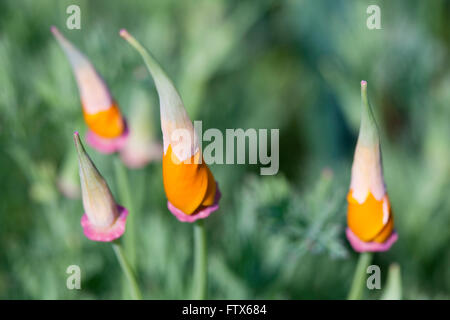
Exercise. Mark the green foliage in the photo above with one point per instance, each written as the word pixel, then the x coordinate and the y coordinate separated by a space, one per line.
pixel 292 65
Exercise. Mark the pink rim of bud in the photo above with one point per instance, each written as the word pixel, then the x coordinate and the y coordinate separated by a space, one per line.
pixel 201 213
pixel 105 234
pixel 105 145
pixel 361 246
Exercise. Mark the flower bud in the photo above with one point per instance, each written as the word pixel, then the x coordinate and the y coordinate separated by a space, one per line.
pixel 369 215
pixel 104 219
pixel 190 187
pixel 107 127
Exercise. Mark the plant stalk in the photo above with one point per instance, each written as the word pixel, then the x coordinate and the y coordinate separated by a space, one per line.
pixel 359 277
pixel 126 200
pixel 200 279
pixel 127 270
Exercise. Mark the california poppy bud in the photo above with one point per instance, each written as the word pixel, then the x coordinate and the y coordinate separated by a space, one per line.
pixel 103 220
pixel 369 216
pixel 190 187
pixel 107 127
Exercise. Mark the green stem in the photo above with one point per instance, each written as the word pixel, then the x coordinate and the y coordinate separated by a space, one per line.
pixel 126 268
pixel 200 283
pixel 359 277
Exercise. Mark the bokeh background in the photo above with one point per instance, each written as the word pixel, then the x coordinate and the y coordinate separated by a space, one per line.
pixel 292 65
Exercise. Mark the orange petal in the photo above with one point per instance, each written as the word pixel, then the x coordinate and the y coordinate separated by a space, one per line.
pixel 187 185
pixel 106 124
pixel 386 231
pixel 211 191
pixel 366 219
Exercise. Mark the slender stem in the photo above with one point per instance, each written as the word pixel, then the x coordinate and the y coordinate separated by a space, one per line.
pixel 359 277
pixel 126 200
pixel 129 274
pixel 200 283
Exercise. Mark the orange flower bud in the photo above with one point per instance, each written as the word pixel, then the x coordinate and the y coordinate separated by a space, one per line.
pixel 107 127
pixel 190 187
pixel 369 216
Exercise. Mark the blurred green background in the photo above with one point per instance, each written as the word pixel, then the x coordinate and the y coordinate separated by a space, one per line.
pixel 292 65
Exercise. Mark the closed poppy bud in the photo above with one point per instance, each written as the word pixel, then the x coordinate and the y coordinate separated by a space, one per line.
pixel 103 220
pixel 107 127
pixel 141 146
pixel 369 216
pixel 190 187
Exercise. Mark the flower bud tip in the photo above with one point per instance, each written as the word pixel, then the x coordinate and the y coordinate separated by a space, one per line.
pixel 76 137
pixel 123 33
pixel 55 31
